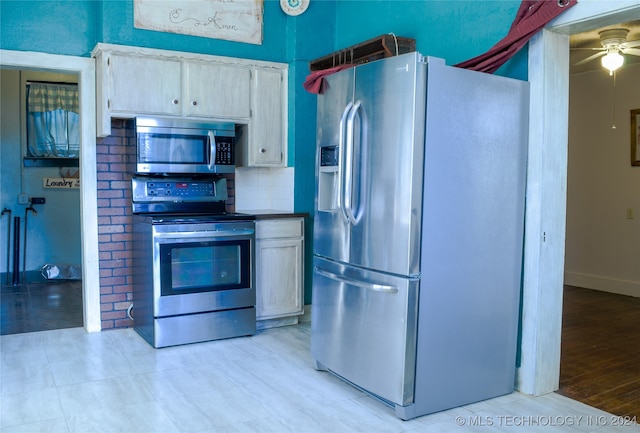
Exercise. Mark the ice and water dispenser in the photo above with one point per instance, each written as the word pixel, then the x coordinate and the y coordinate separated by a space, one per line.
pixel 328 182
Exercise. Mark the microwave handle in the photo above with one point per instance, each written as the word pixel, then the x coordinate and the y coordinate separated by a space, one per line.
pixel 212 149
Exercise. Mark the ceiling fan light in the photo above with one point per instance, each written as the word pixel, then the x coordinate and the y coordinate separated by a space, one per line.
pixel 612 61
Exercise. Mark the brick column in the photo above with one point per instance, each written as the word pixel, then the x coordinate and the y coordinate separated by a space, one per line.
pixel 115 164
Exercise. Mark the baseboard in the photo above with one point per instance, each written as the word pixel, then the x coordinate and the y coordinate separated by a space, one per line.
pixel 286 321
pixel 604 284
pixel 29 276
pixel 274 323
pixel 306 317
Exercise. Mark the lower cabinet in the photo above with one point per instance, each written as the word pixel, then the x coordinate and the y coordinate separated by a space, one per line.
pixel 279 271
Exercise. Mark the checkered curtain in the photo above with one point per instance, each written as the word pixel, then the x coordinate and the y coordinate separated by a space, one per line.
pixel 50 97
pixel 52 120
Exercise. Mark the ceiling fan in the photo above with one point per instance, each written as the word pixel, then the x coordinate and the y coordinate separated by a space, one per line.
pixel 614 45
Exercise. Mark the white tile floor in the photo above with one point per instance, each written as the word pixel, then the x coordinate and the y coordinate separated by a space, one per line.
pixel 70 381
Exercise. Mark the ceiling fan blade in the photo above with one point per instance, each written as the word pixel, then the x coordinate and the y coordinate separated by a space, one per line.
pixel 630 44
pixel 632 51
pixel 590 58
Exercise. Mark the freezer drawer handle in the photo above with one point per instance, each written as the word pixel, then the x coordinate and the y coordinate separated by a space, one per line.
pixel 365 285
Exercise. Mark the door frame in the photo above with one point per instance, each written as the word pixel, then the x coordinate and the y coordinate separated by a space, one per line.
pixel 543 278
pixel 85 69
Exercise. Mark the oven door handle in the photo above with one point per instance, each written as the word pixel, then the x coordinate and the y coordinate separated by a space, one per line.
pixel 205 234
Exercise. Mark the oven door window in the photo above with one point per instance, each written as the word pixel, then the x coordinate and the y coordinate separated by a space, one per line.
pixel 160 148
pixel 194 267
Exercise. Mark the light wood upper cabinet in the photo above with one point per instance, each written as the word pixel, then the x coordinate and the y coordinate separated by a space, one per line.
pixel 133 81
pixel 267 146
pixel 217 90
pixel 143 85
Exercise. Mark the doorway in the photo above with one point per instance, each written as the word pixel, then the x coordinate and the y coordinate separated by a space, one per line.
pixel 84 68
pixel 41 283
pixel 539 369
pixel 601 305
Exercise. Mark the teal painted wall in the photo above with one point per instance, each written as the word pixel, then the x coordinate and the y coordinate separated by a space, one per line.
pixel 57 27
pixel 117 28
pixel 453 30
pixel 447 29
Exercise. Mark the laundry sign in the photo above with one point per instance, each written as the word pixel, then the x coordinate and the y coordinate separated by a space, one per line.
pixel 61 182
pixel 232 20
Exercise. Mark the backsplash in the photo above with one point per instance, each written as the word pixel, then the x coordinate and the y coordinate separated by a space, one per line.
pixel 264 188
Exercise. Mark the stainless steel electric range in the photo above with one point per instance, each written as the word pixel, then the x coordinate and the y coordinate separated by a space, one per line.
pixel 193 263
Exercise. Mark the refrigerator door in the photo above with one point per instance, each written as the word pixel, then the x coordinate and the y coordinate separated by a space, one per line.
pixel 384 151
pixel 364 328
pixel 331 228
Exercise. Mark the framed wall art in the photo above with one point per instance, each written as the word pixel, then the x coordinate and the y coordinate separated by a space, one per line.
pixel 635 137
pixel 231 20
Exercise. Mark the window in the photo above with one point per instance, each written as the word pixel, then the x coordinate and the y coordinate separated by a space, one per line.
pixel 53 120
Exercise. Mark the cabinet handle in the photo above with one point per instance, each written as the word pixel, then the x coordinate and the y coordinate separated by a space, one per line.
pixel 194 103
pixel 175 102
pixel 263 150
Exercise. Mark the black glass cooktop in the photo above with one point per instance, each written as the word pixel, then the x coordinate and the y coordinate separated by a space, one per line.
pixel 194 218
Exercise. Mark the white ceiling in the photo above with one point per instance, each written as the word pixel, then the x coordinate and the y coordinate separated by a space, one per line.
pixel 591 39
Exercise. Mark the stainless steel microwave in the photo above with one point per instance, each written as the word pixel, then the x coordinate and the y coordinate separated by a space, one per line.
pixel 176 146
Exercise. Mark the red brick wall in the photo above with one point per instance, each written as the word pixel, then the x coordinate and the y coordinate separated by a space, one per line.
pixel 115 166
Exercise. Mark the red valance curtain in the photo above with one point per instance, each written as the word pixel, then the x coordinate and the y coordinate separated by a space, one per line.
pixel 531 17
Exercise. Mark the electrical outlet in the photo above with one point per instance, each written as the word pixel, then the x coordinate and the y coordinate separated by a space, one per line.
pixel 630 213
pixel 23 199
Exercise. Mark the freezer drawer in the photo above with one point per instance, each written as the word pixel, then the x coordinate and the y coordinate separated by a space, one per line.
pixel 364 328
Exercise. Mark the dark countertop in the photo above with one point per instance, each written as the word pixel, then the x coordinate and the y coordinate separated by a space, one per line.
pixel 262 214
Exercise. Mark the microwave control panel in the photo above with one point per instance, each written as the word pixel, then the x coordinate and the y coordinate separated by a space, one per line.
pixel 224 151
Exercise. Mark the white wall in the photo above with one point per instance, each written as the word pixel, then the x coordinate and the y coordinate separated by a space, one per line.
pixel 602 244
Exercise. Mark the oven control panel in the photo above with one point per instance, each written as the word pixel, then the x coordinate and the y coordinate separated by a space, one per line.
pixel 181 189
pixel 171 189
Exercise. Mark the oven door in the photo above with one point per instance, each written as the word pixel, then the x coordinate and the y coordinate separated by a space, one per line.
pixel 203 267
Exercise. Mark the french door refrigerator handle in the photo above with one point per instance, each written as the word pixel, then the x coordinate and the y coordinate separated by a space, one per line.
pixel 386 288
pixel 341 163
pixel 348 187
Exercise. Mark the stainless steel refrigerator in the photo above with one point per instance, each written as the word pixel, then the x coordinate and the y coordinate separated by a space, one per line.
pixel 418 231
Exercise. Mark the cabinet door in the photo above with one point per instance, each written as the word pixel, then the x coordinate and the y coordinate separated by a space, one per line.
pixel 217 90
pixel 279 267
pixel 267 137
pixel 144 85
pixel 279 278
